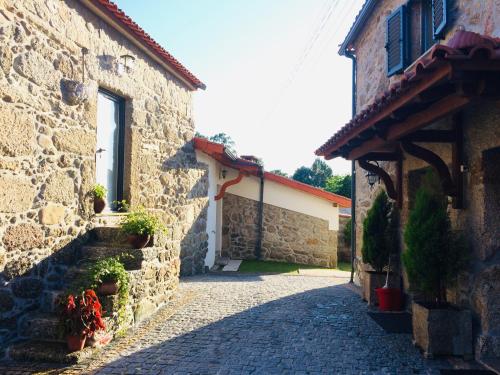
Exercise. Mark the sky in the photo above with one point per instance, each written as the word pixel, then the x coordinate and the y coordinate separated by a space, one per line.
pixel 275 82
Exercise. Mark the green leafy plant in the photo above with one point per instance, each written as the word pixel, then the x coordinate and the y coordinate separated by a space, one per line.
pixel 109 270
pixel 121 206
pixel 141 222
pixel 347 232
pixel 379 236
pixel 434 255
pixel 99 191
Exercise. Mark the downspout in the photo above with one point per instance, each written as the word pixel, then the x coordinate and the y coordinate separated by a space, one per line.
pixel 260 216
pixel 350 54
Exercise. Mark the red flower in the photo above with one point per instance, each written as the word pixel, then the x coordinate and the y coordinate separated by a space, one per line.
pixel 82 315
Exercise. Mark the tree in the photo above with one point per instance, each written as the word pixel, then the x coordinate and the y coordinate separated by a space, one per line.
pixel 221 138
pixel 315 176
pixel 378 233
pixel 434 256
pixel 320 173
pixel 339 184
pixel 279 172
pixel 304 175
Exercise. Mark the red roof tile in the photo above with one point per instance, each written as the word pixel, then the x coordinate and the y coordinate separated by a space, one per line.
pixel 464 45
pixel 112 10
pixel 216 151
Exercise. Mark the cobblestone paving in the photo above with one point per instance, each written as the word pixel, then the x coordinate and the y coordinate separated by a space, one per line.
pixel 259 325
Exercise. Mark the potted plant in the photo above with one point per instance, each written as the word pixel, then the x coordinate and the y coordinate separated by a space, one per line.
pixel 121 206
pixel 81 317
pixel 434 258
pixel 379 244
pixel 109 277
pixel 140 226
pixel 99 192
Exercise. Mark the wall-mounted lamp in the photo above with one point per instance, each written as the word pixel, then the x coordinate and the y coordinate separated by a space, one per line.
pixel 372 178
pixel 223 173
pixel 126 64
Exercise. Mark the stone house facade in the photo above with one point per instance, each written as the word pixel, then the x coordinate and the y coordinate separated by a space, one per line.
pixel 50 144
pixel 288 222
pixel 431 100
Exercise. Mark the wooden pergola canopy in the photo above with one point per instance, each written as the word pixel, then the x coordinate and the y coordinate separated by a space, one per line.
pixel 439 84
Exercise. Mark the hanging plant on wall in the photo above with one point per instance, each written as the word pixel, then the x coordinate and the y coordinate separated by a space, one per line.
pixel 75 92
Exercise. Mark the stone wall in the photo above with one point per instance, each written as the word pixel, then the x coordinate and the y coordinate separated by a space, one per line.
pixel 47 146
pixel 288 236
pixel 477 289
pixel 343 248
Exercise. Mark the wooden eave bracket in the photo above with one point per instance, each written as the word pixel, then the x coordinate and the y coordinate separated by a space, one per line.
pixel 394 192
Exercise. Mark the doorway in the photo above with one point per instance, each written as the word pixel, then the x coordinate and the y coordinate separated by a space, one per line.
pixel 109 154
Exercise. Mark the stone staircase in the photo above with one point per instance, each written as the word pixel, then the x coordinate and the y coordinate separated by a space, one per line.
pixel 39 336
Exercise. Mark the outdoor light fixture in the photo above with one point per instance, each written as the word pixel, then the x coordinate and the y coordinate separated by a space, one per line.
pixel 223 173
pixel 372 177
pixel 126 64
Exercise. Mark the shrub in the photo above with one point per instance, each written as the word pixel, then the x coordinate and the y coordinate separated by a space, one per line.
pixel 140 222
pixel 379 233
pixel 99 191
pixel 347 232
pixel 434 256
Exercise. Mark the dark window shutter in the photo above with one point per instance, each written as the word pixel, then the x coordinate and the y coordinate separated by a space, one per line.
pixel 439 17
pixel 396 41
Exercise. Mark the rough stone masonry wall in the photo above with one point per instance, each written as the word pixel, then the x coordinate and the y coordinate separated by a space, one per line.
pixel 480 288
pixel 288 236
pixel 47 146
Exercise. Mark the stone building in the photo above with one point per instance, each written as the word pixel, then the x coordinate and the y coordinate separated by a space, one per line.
pixel 426 78
pixel 87 96
pixel 253 213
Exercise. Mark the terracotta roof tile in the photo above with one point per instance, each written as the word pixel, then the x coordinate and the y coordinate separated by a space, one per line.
pixel 464 45
pixel 125 21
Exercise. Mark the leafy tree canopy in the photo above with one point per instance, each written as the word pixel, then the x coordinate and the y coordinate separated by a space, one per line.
pixel 339 184
pixel 317 175
pixel 279 172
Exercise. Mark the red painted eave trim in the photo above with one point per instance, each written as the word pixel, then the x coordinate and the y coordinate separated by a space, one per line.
pixel 334 198
pixel 112 10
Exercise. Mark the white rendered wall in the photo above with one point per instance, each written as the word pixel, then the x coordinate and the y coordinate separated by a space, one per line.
pixel 284 196
pixel 214 230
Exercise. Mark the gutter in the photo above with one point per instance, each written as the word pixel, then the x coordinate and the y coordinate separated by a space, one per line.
pixel 357 26
pixel 351 55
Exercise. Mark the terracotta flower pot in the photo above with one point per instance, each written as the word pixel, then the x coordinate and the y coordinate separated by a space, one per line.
pixel 138 241
pixel 99 205
pixel 75 342
pixel 108 288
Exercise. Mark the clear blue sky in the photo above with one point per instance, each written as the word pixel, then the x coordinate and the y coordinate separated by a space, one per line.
pixel 275 83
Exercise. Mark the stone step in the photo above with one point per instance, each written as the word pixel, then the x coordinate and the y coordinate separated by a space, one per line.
pixel 49 300
pixel 40 326
pixel 132 258
pixel 48 352
pixel 109 234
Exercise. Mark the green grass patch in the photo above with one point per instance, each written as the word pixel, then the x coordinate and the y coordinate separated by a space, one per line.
pixel 344 266
pixel 258 266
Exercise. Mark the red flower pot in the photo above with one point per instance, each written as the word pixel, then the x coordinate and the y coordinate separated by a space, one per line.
pixel 108 288
pixel 138 241
pixel 75 342
pixel 99 205
pixel 389 299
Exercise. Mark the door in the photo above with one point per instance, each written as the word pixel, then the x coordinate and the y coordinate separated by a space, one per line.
pixel 109 150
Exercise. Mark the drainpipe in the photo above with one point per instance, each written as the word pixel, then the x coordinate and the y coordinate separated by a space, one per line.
pixel 350 54
pixel 260 218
